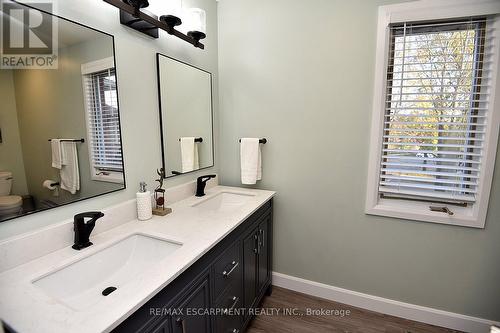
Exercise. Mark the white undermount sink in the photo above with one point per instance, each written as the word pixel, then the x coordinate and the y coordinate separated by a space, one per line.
pixel 223 201
pixel 81 283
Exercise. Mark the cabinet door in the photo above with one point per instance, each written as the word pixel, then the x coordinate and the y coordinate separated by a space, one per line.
pixel 263 253
pixel 250 268
pixel 190 305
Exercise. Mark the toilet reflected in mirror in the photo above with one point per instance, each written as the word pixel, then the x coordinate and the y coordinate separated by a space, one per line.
pixel 10 205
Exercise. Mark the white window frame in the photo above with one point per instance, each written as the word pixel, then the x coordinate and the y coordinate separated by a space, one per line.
pixel 473 215
pixel 89 68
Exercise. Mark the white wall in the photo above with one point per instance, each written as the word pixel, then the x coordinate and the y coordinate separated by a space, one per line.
pixel 300 73
pixel 138 98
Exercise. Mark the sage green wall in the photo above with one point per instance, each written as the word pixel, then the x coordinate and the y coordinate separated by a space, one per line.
pixel 11 155
pixel 138 98
pixel 300 73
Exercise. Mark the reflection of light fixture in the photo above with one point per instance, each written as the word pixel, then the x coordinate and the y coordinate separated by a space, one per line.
pixel 132 16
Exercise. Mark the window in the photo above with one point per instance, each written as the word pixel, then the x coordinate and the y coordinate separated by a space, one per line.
pixel 436 131
pixel 103 123
pixel 435 111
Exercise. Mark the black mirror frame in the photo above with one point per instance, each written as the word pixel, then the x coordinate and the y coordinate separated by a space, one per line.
pixel 119 117
pixel 163 153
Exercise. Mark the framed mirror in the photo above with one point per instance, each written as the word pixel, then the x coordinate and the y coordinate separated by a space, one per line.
pixel 186 116
pixel 60 136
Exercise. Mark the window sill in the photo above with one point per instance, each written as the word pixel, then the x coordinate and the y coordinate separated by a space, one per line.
pixel 419 211
pixel 115 177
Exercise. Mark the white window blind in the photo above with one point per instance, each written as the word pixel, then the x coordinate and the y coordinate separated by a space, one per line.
pixel 103 120
pixel 437 93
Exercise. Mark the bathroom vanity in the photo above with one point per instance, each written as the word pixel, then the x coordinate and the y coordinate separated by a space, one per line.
pixel 199 269
pixel 217 291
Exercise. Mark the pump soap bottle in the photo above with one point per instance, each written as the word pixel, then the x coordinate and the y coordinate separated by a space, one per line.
pixel 144 209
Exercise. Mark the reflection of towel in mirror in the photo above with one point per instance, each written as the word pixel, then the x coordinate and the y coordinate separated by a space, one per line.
pixel 189 154
pixel 251 161
pixel 70 174
pixel 55 146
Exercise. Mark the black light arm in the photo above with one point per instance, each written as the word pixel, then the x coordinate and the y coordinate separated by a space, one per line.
pixel 153 22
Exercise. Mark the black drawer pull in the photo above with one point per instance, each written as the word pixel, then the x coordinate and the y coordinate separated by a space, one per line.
pixel 259 243
pixel 256 249
pixel 226 273
pixel 235 301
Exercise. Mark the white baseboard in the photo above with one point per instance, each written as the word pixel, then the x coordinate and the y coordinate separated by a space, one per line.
pixel 384 305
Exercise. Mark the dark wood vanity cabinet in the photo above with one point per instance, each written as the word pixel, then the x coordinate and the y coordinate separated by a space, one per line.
pixel 217 291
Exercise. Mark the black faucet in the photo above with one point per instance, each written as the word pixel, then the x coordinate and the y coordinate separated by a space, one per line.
pixel 200 184
pixel 84 228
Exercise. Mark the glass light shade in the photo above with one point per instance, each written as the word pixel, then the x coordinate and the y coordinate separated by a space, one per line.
pixel 194 19
pixel 165 7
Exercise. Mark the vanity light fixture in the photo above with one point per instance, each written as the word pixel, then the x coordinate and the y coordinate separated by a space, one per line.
pixel 132 16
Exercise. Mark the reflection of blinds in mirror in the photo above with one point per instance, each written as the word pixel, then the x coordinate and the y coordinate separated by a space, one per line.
pixel 435 110
pixel 103 120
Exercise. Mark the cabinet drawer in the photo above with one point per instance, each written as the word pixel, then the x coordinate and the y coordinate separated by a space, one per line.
pixel 230 304
pixel 227 269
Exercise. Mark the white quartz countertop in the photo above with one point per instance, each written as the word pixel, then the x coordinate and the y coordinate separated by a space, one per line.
pixel 27 309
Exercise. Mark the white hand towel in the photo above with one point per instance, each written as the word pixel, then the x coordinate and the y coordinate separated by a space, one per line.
pixel 70 174
pixel 251 161
pixel 189 154
pixel 55 145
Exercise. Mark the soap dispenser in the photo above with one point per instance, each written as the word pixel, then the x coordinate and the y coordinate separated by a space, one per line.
pixel 144 209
